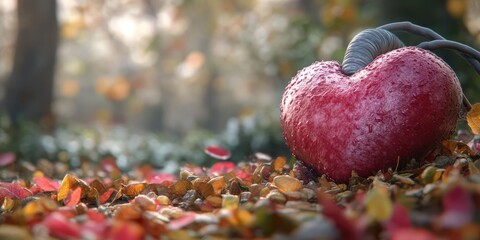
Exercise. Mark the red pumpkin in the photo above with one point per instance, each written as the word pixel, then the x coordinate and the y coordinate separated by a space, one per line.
pixel 397 108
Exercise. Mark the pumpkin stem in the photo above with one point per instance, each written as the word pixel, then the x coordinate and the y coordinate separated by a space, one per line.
pixel 412 28
pixel 366 46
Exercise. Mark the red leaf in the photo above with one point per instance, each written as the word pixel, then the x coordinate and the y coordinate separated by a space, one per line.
pixel 186 219
pixel 220 168
pixel 244 175
pixel 73 197
pixel 60 226
pixel 92 228
pixel 126 231
pixel 458 208
pixel 109 165
pixel 96 216
pixel 217 152
pixel 13 190
pixel 412 233
pixel 106 195
pixel 155 177
pixel 399 219
pixel 7 158
pixel 46 184
pixel 331 211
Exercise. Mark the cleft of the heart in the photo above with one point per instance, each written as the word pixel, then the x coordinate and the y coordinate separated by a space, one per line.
pixel 399 107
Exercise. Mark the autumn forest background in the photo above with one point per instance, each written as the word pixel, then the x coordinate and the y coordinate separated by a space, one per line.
pixel 158 80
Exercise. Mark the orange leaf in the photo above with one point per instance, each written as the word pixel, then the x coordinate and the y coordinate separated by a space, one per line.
pixel 69 182
pixel 133 189
pixel 473 118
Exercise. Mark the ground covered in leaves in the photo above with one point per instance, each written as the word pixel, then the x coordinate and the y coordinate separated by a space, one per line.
pixel 262 197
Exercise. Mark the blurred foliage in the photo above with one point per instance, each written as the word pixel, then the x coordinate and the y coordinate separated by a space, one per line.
pixel 178 65
pixel 72 144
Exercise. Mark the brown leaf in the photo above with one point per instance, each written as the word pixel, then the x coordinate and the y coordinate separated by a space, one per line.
pixel 205 189
pixel 133 189
pixel 450 147
pixel 473 118
pixel 181 187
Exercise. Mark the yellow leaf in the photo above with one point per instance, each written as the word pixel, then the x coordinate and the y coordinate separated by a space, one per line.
pixel 378 204
pixel 279 163
pixel 230 201
pixel 69 182
pixel 473 118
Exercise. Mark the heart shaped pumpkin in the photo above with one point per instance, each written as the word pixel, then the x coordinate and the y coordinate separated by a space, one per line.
pixel 397 108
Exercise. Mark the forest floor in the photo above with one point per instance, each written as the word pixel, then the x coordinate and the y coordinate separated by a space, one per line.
pixel 261 198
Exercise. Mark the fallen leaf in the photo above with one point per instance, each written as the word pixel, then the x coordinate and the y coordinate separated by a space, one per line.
pixel 186 219
pixel 60 226
pixel 46 184
pixel 127 212
pixel 450 147
pixel 133 189
pixel 458 208
pixel 69 182
pixel 412 233
pixel 126 231
pixel 73 197
pixel 378 204
pixel 473 118
pixel 106 195
pixel 278 164
pixel 220 168
pixel 335 214
pixel 399 219
pixel 181 187
pixel 155 177
pixel 7 158
pixel 13 190
pixel 109 164
pixel 217 152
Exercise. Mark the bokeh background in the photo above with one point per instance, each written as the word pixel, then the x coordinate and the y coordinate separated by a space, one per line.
pixel 158 80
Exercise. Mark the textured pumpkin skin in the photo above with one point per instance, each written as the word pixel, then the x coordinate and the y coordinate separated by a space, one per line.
pixel 399 107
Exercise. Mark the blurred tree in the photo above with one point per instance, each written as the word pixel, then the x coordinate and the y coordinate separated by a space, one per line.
pixel 29 90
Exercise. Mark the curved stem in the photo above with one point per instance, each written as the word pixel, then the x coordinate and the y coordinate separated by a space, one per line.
pixel 428 34
pixel 366 46
pixel 459 47
pixel 412 28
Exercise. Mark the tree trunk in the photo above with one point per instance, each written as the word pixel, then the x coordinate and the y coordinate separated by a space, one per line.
pixel 29 90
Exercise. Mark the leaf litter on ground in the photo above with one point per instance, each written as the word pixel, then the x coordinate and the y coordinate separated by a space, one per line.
pixel 263 197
